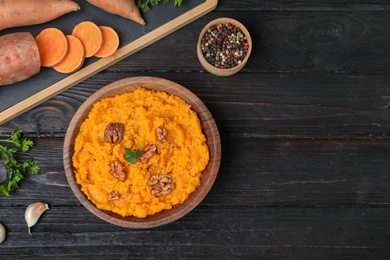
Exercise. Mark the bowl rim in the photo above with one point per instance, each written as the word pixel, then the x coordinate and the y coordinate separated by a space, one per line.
pixel 218 71
pixel 209 128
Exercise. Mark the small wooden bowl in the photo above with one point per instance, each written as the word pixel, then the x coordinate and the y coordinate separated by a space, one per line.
pixel 209 129
pixel 218 71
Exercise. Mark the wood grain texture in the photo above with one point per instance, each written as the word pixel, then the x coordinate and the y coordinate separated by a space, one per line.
pixel 289 42
pixel 254 105
pixel 277 173
pixel 305 144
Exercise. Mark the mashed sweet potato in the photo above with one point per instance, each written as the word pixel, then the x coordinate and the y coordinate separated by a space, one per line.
pixel 182 155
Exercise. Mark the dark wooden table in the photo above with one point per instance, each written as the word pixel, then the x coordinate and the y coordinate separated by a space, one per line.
pixel 305 144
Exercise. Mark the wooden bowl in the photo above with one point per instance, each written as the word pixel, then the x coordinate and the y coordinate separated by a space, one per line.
pixel 228 71
pixel 209 129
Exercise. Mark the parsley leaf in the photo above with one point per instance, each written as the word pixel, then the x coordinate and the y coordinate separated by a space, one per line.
pixel 178 3
pixel 16 170
pixel 26 145
pixel 132 156
pixel 145 5
pixel 15 137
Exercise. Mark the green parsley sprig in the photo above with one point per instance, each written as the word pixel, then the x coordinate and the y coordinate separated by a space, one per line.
pixel 131 156
pixel 16 169
pixel 145 5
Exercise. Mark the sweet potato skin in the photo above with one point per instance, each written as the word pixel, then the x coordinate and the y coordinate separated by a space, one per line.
pixel 19 57
pixel 125 8
pixel 30 12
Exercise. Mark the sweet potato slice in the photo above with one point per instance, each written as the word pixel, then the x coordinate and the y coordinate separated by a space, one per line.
pixel 110 42
pixel 125 8
pixel 90 36
pixel 19 57
pixel 52 45
pixel 15 13
pixel 75 57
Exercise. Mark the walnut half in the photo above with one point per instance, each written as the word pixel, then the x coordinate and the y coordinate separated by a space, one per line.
pixel 161 134
pixel 118 171
pixel 113 195
pixel 161 184
pixel 113 133
pixel 150 150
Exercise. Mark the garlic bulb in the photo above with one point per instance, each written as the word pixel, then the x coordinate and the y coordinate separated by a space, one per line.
pixel 3 233
pixel 33 213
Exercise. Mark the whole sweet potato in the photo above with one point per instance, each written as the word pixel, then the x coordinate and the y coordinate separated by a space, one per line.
pixel 15 13
pixel 125 8
pixel 19 57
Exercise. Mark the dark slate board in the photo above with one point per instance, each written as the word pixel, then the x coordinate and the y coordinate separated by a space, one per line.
pixel 127 30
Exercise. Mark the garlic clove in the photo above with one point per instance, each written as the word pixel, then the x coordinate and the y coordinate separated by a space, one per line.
pixel 3 233
pixel 33 213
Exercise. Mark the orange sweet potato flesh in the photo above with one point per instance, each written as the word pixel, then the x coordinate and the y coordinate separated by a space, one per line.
pixel 74 58
pixel 125 8
pixel 110 42
pixel 19 57
pixel 90 36
pixel 16 13
pixel 52 46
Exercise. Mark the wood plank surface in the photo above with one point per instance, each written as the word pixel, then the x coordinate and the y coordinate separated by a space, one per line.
pixel 252 105
pixel 305 144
